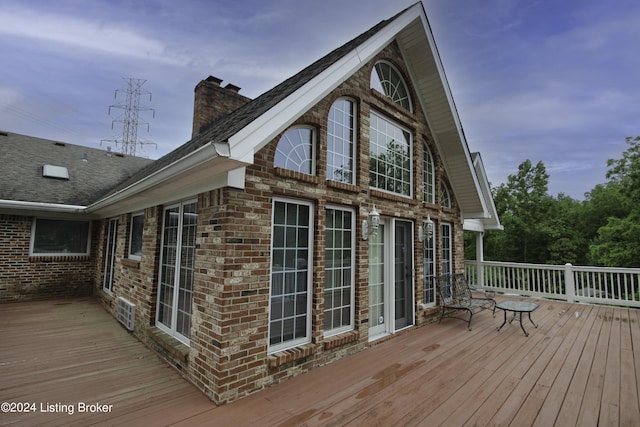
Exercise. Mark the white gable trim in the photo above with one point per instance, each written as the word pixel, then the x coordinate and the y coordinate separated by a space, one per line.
pixel 261 131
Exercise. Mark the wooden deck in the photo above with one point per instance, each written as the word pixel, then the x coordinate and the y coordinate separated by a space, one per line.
pixel 578 368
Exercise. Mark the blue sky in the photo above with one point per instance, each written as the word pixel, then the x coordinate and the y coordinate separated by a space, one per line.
pixel 551 81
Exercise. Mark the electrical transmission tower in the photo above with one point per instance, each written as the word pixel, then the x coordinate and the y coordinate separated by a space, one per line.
pixel 130 117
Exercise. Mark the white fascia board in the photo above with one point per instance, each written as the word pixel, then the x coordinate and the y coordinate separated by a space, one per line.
pixel 258 133
pixel 21 207
pixel 203 154
pixel 41 206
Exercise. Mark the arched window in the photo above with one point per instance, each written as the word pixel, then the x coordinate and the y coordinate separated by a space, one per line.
pixel 295 150
pixel 428 176
pixel 386 80
pixel 445 196
pixel 341 141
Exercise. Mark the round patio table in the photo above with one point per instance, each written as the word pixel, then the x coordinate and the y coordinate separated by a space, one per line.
pixel 517 307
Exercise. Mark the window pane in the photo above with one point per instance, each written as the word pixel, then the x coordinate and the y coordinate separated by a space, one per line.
pixel 339 270
pixel 55 236
pixel 340 141
pixel 137 226
pixel 295 150
pixel 386 80
pixel 390 157
pixel 290 274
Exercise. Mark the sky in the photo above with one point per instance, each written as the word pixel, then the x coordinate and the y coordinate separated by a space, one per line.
pixel 547 80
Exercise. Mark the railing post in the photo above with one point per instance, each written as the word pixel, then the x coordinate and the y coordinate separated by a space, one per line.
pixel 480 260
pixel 569 283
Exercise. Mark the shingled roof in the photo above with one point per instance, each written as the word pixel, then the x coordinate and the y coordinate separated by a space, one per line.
pixel 92 172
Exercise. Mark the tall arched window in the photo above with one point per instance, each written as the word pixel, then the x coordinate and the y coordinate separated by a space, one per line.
pixel 445 196
pixel 428 176
pixel 386 80
pixel 341 141
pixel 295 150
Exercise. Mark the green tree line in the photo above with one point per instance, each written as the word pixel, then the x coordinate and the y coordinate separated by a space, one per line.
pixel 602 230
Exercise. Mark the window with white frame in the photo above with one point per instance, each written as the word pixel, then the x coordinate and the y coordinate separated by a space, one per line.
pixel 60 237
pixel 390 166
pixel 445 196
pixel 446 248
pixel 429 270
pixel 291 268
pixel 177 267
pixel 135 235
pixel 339 270
pixel 341 141
pixel 428 176
pixel 388 81
pixel 295 150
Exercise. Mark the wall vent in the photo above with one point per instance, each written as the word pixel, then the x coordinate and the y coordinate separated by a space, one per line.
pixel 126 313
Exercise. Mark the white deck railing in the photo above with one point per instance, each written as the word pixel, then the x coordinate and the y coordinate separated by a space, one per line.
pixel 597 285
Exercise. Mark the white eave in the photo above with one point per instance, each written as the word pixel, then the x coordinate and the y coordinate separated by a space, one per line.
pixel 412 32
pixel 205 169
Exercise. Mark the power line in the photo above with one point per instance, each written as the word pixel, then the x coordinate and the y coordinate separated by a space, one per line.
pixel 130 117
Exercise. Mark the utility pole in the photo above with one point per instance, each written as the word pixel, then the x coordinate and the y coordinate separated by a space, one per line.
pixel 130 117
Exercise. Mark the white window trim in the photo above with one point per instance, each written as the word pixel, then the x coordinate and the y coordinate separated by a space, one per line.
pixel 307 339
pixel 32 240
pixel 354 142
pixel 351 326
pixel 401 78
pixel 136 214
pixel 172 331
pixel 426 151
pixel 433 241
pixel 314 149
pixel 450 248
pixel 411 171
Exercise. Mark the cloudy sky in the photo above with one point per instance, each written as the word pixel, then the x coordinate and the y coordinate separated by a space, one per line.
pixel 547 80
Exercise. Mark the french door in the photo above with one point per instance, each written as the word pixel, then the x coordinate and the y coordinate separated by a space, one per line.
pixel 110 254
pixel 175 289
pixel 391 296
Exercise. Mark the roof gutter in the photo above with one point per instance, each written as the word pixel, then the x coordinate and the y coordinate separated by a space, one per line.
pixel 41 206
pixel 203 154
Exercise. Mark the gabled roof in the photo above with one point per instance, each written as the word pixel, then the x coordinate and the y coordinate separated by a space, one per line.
pixel 229 144
pixel 91 172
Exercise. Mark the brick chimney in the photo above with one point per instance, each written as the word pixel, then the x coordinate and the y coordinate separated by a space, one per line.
pixel 213 101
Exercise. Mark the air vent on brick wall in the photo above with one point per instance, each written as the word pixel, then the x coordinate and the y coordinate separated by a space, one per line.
pixel 126 313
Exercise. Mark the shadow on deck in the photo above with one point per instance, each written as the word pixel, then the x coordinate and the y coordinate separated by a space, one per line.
pixel 578 368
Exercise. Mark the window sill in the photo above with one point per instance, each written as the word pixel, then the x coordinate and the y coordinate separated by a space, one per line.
pixel 286 173
pixel 340 340
pixel 58 258
pixel 168 345
pixel 343 186
pixel 131 263
pixel 373 192
pixel 291 355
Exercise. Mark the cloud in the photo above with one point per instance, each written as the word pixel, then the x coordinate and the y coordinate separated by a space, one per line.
pixel 83 33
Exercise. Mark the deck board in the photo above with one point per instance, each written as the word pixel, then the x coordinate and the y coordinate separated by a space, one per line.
pixel 581 366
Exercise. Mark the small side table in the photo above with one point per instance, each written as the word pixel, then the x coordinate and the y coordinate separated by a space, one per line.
pixel 517 307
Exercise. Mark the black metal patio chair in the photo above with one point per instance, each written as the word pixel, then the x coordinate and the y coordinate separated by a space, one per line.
pixel 456 297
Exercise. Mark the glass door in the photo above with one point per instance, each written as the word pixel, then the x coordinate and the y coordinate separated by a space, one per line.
pixel 403 274
pixel 377 288
pixel 175 290
pixel 110 254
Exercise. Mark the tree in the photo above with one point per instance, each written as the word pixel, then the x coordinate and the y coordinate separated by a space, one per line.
pixel 524 208
pixel 616 241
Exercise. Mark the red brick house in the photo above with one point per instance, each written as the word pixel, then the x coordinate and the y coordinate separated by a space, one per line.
pixel 301 226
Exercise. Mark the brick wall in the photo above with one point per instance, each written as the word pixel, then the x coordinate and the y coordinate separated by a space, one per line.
pixel 24 277
pixel 229 344
pixel 228 353
pixel 134 280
